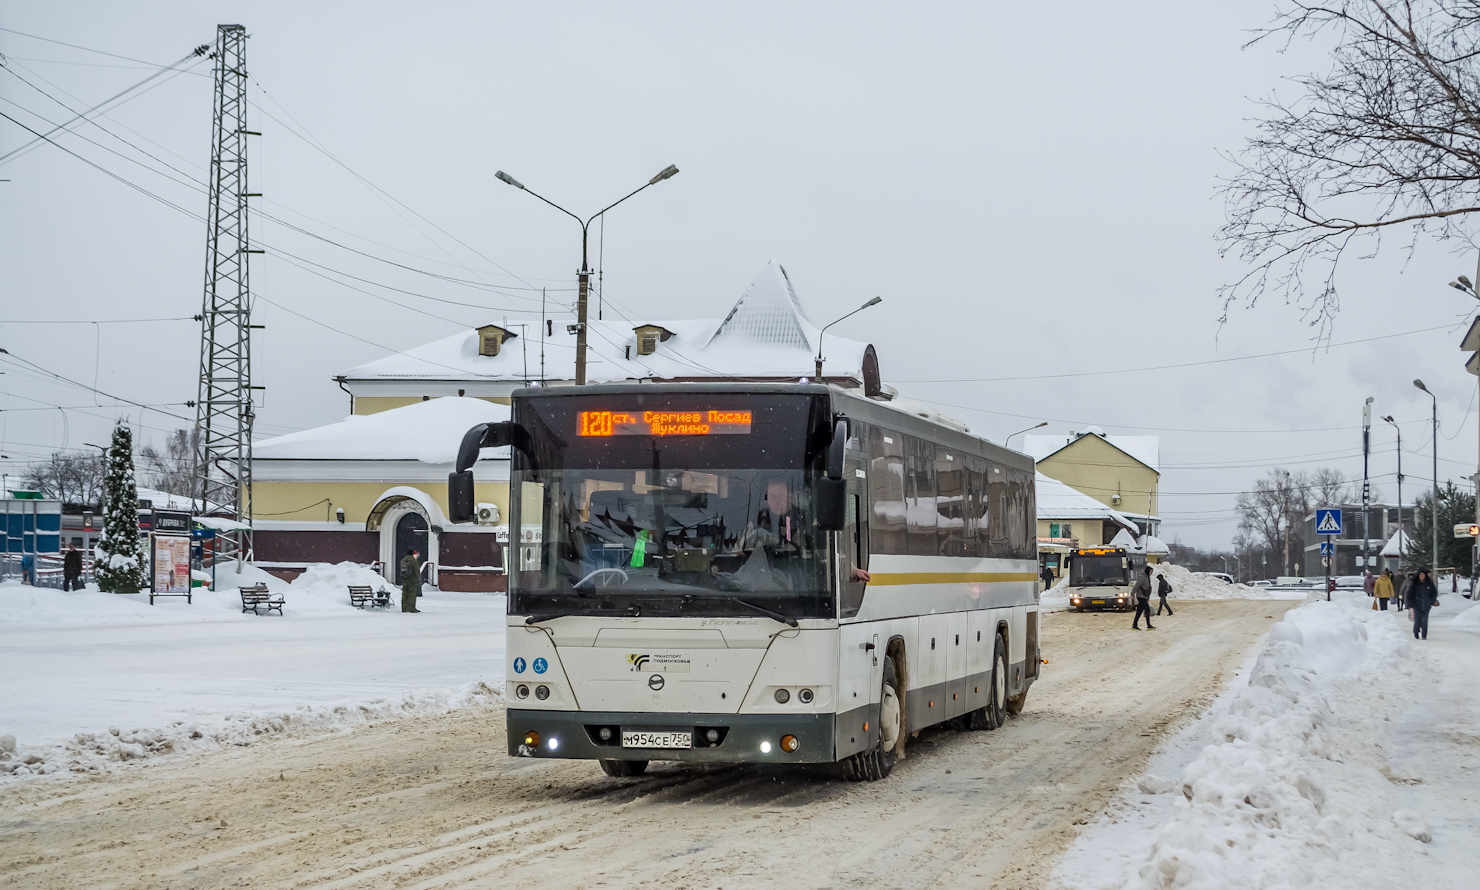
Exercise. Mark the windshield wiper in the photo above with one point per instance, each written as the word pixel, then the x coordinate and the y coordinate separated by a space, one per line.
pixel 536 619
pixel 768 613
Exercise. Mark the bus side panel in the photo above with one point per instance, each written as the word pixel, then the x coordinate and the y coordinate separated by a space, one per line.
pixel 928 698
pixel 979 660
pixel 957 647
pixel 860 679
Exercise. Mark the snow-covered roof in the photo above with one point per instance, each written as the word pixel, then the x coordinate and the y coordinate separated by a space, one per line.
pixel 1056 500
pixel 1146 449
pixel 1397 545
pixel 1151 545
pixel 765 335
pixel 163 500
pixel 428 431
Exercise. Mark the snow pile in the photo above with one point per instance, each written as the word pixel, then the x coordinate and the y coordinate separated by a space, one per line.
pixel 323 590
pixel 1297 778
pixel 1186 585
pixel 95 752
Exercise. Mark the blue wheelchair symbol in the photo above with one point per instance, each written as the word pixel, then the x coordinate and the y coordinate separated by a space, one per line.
pixel 518 665
pixel 540 665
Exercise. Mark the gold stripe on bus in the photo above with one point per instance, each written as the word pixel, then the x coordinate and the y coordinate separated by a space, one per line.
pixel 899 578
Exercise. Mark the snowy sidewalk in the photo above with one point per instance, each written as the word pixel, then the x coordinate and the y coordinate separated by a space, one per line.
pixel 1347 759
pixel 177 677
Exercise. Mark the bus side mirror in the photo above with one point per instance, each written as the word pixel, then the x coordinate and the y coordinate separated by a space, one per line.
pixel 460 496
pixel 836 449
pixel 832 504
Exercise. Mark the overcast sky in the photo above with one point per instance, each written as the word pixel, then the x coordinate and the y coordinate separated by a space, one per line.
pixel 1031 191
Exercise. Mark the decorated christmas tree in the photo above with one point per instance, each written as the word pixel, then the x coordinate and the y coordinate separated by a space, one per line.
pixel 119 565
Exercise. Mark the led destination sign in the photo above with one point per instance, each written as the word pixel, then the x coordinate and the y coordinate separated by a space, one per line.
pixel 663 423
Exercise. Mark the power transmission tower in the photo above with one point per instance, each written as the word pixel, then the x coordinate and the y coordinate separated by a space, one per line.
pixel 224 408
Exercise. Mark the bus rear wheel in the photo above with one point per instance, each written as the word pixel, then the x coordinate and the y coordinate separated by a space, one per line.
pixel 994 713
pixel 623 769
pixel 878 762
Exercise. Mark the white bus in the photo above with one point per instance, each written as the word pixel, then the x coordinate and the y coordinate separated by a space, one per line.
pixel 764 573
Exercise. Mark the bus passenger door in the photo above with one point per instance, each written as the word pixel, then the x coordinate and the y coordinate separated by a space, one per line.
pixel 853 539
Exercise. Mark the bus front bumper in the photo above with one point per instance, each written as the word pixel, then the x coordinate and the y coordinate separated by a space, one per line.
pixel 742 738
pixel 1099 601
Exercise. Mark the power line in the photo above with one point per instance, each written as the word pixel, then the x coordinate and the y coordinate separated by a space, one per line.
pixel 101 321
pixel 13 357
pixel 1215 361
pixel 83 48
pixel 197 53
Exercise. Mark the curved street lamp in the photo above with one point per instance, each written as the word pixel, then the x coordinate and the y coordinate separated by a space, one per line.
pixel 874 302
pixel 584 278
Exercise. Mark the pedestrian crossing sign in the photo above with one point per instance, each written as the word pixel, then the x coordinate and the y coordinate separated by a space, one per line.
pixel 1328 521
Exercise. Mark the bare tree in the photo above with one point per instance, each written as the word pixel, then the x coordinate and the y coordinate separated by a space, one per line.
pixel 1272 514
pixel 172 470
pixel 69 477
pixel 1387 139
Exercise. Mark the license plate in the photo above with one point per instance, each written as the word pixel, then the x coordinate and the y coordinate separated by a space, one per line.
pixel 657 739
pixel 1097 602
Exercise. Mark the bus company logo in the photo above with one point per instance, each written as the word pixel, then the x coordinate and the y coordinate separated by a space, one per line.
pixel 519 665
pixel 667 664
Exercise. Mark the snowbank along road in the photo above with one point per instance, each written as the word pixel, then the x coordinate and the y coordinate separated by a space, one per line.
pixel 434 801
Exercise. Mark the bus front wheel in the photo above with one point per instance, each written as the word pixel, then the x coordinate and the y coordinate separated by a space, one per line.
pixel 622 769
pixel 878 762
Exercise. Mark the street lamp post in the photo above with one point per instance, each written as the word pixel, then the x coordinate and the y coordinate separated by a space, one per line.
pixel 874 302
pixel 1036 426
pixel 1402 534
pixel 584 277
pixel 1434 507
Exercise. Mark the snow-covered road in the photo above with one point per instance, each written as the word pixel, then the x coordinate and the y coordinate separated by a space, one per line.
pixel 435 801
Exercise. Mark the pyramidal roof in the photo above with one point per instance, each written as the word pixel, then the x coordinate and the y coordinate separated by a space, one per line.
pixel 768 312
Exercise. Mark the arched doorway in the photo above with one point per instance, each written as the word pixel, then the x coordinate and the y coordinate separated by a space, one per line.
pixel 412 532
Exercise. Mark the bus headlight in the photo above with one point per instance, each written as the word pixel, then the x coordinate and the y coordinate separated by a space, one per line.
pixel 542 692
pixel 782 696
pixel 522 691
pixel 805 696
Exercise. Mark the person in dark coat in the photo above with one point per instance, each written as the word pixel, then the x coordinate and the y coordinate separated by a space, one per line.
pixel 1403 590
pixel 1047 577
pixel 1142 593
pixel 72 569
pixel 1163 587
pixel 410 581
pixel 1423 595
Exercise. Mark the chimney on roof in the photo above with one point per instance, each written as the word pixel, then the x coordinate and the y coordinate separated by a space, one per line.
pixel 491 339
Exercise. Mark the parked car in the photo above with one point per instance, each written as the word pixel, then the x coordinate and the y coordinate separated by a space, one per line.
pixel 1264 583
pixel 1221 576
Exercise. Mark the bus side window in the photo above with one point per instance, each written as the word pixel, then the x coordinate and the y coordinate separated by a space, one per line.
pixel 998 544
pixel 976 513
pixel 920 515
pixel 886 482
pixel 950 502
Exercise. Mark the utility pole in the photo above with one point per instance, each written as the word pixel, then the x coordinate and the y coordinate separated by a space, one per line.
pixel 1366 485
pixel 223 468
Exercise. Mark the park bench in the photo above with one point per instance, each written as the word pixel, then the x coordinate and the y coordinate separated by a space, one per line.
pixel 362 597
pixel 255 596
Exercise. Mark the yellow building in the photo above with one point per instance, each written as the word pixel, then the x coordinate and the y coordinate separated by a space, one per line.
pixel 367 488
pixel 1121 473
pixel 1069 519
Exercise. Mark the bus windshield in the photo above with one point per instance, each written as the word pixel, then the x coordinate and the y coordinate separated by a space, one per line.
pixel 642 524
pixel 1098 571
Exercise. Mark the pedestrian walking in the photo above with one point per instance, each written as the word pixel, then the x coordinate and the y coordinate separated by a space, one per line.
pixel 1383 589
pixel 1422 596
pixel 1369 583
pixel 1047 576
pixel 410 581
pixel 1403 591
pixel 72 569
pixel 28 569
pixel 1142 593
pixel 1163 587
